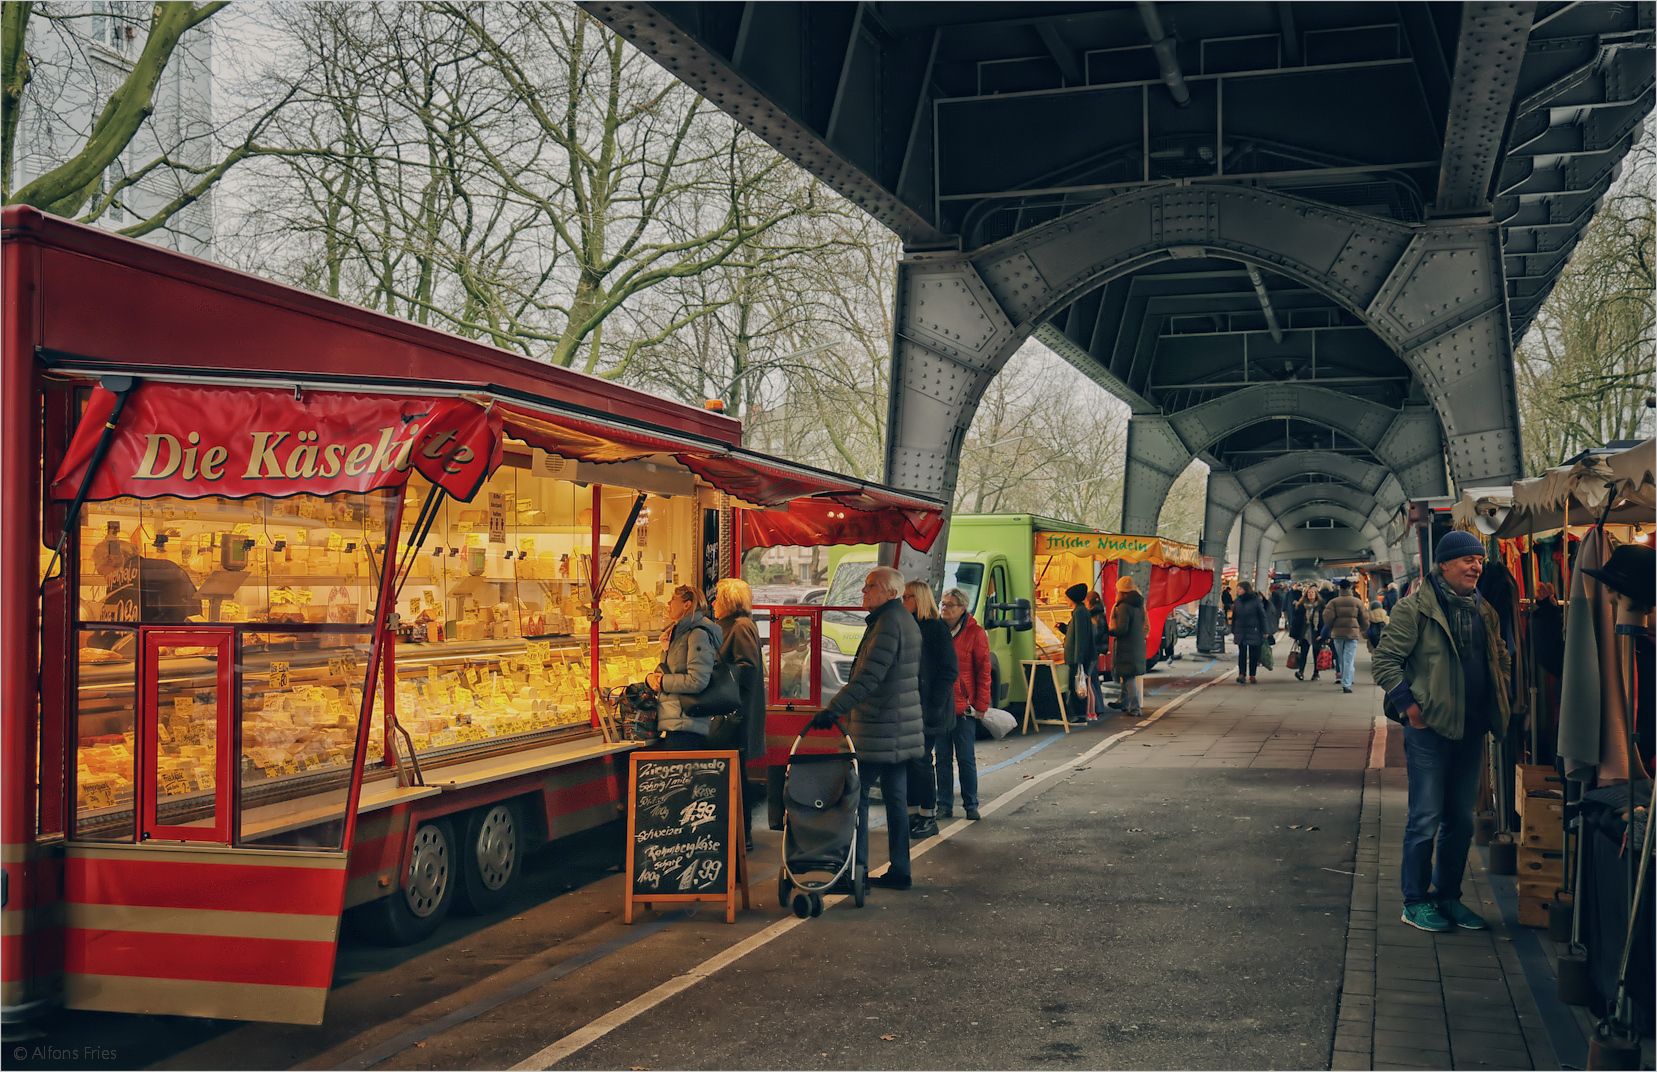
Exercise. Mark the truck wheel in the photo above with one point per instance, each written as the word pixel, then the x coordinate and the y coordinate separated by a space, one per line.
pixel 997 695
pixel 489 859
pixel 412 914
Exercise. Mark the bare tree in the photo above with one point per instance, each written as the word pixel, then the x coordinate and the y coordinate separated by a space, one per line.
pixel 1586 367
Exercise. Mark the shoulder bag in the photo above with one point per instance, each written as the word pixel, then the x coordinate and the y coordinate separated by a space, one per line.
pixel 720 697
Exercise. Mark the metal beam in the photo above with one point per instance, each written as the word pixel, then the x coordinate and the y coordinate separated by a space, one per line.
pixel 1489 54
pixel 1162 46
pixel 1265 304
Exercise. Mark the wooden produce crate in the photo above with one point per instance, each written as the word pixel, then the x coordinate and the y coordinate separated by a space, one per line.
pixel 1541 865
pixel 1534 899
pixel 1542 824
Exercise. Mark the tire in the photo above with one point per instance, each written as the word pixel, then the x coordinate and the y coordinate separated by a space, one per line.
pixel 860 885
pixel 998 695
pixel 816 905
pixel 801 906
pixel 490 857
pixel 413 912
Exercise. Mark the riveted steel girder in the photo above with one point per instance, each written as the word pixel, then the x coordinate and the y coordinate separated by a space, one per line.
pixel 1490 51
pixel 1352 519
pixel 1260 477
pixel 1345 495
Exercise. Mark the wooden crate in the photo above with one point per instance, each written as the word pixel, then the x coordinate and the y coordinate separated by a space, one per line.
pixel 1541 865
pixel 1534 899
pixel 1531 781
pixel 1542 824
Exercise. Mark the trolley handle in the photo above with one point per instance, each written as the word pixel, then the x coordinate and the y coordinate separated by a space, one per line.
pixel 851 746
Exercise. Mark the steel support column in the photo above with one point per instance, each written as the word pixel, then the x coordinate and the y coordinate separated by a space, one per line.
pixel 1226 499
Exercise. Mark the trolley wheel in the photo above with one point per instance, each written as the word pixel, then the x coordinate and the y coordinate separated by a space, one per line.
pixel 802 905
pixel 785 886
pixel 1504 858
pixel 489 859
pixel 413 912
pixel 860 885
pixel 816 905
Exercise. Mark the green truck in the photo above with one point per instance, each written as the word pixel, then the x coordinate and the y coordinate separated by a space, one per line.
pixel 991 557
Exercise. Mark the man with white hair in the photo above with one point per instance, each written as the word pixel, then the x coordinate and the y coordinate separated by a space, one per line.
pixel 881 704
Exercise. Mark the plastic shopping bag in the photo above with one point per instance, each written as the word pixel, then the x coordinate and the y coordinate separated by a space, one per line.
pixel 999 722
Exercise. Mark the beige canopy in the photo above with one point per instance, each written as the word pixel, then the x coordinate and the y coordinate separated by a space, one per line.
pixel 1579 492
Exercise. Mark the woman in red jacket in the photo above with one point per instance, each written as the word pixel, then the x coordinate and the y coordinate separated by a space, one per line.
pixel 972 699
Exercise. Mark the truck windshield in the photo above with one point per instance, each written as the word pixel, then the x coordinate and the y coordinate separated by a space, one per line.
pixel 846 590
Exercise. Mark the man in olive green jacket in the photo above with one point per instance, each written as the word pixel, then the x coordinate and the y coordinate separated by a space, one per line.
pixel 1444 667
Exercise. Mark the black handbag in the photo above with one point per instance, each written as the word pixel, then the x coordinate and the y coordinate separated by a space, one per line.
pixel 721 697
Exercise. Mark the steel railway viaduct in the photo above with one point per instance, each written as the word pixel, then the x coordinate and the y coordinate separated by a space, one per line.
pixel 1299 240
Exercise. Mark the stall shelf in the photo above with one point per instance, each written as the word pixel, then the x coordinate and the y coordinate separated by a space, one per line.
pixel 316 605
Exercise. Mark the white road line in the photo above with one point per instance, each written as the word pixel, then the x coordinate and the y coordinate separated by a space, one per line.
pixel 597 1029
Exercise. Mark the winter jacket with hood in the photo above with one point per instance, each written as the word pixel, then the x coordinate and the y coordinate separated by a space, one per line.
pixel 1417 660
pixel 1344 617
pixel 1127 630
pixel 881 702
pixel 1248 619
pixel 686 668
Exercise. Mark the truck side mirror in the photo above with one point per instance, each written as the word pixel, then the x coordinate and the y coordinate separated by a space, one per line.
pixel 1018 618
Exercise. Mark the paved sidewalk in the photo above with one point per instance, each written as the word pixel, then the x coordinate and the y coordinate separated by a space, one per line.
pixel 1416 1000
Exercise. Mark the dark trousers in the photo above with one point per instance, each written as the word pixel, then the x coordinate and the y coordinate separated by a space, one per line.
pixel 1248 659
pixel 1076 706
pixel 1317 649
pixel 894 792
pixel 923 783
pixel 1444 785
pixel 1304 647
pixel 959 749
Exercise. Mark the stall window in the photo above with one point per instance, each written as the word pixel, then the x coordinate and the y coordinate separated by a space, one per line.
pixel 106 710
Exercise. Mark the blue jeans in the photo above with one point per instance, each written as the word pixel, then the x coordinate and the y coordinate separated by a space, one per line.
pixel 1444 786
pixel 1346 658
pixel 958 747
pixel 894 792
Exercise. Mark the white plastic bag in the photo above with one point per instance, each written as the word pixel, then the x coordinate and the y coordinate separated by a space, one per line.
pixel 999 722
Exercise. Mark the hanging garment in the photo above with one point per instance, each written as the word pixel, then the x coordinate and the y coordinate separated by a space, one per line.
pixel 1579 700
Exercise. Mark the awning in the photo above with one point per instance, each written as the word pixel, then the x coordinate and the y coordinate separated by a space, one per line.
pixel 819 522
pixel 1578 493
pixel 1111 546
pixel 192 441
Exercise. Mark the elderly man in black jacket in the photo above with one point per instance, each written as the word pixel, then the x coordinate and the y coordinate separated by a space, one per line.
pixel 881 704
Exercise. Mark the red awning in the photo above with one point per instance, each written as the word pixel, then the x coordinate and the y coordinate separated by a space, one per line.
pixel 817 522
pixel 592 440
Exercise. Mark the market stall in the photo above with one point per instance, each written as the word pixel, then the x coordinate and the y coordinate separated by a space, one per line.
pixel 327 606
pixel 1178 575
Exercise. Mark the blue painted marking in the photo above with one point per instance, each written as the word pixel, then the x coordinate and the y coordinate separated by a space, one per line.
pixel 1564 1035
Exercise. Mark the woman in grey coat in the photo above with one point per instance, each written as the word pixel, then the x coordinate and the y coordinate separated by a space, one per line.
pixel 1127 647
pixel 690 647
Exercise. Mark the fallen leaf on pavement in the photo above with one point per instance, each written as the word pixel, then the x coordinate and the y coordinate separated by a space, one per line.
pixel 887 1038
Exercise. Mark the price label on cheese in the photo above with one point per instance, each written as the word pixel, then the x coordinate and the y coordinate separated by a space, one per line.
pixel 336 542
pixel 173 782
pixel 204 781
pixel 414 607
pixel 128 735
pixel 184 706
pixel 463 526
pixel 539 651
pixel 431 600
pixel 312 762
pixel 431 673
pixel 337 758
pixel 290 767
pixel 338 711
pixel 474 675
pixel 463 697
pixel 242 529
pixel 164 733
pixel 100 796
pixel 336 667
pixel 471 614
pixel 279 676
pixel 526 545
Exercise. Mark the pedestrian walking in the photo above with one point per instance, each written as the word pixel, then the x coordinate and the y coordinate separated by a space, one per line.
pixel 1377 622
pixel 1302 629
pixel 1079 654
pixel 1320 636
pixel 690 647
pixel 1127 648
pixel 1248 628
pixel 1344 619
pixel 1444 667
pixel 957 750
pixel 938 671
pixel 1101 643
pixel 881 703
pixel 1389 598
pixel 744 730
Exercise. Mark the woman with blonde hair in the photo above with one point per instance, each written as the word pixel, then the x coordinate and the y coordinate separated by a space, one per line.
pixel 690 648
pixel 743 730
pixel 1127 649
pixel 938 671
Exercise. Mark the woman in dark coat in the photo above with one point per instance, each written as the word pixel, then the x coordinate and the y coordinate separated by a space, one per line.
pixel 939 669
pixel 1249 630
pixel 1080 652
pixel 1127 644
pixel 1298 612
pixel 733 604
pixel 1101 641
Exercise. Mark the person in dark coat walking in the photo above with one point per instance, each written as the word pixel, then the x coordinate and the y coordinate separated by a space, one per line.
pixel 733 605
pixel 939 670
pixel 1249 616
pixel 1080 653
pixel 881 703
pixel 1127 646
pixel 1298 611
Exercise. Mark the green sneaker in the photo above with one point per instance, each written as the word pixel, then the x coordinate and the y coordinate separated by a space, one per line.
pixel 1462 916
pixel 1426 917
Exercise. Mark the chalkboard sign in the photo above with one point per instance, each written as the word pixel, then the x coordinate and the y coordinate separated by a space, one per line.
pixel 684 830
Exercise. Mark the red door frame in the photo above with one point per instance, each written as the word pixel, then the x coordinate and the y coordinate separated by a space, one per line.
pixel 150 828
